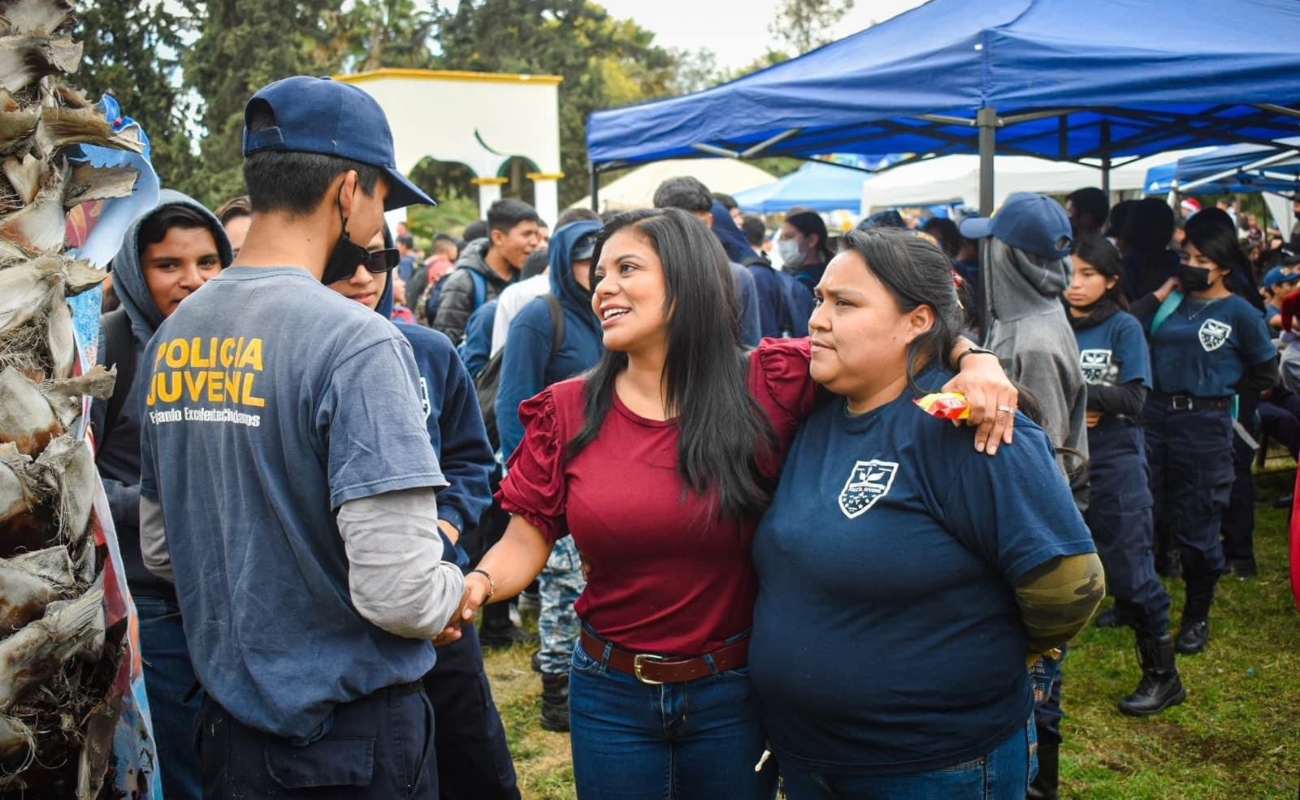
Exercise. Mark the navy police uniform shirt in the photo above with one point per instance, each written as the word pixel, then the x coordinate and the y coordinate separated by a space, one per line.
pixel 1203 348
pixel 1115 352
pixel 887 638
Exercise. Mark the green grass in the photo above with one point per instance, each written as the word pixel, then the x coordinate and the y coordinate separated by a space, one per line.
pixel 1236 737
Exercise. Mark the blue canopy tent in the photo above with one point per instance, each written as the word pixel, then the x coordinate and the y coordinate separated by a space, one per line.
pixel 818 185
pixel 1234 168
pixel 1047 78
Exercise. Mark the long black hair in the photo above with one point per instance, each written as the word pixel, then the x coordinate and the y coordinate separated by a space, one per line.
pixel 1105 259
pixel 723 432
pixel 916 273
pixel 1213 233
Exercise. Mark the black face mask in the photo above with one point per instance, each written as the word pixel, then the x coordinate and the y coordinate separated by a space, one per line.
pixel 1194 279
pixel 344 259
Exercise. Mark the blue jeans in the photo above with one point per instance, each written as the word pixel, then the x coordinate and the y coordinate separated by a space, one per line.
pixel 677 741
pixel 169 677
pixel 1003 774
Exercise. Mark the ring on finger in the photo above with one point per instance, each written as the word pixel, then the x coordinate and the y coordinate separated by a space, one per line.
pixel 1004 409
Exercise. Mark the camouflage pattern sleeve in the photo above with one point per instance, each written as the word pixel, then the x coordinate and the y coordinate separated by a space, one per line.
pixel 1058 598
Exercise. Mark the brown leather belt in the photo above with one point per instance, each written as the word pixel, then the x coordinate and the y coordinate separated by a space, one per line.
pixel 653 670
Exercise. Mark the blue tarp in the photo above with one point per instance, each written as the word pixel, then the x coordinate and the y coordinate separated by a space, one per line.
pixel 1239 161
pixel 818 185
pixel 1068 80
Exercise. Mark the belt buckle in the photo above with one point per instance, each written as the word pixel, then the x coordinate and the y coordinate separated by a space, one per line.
pixel 1182 402
pixel 637 660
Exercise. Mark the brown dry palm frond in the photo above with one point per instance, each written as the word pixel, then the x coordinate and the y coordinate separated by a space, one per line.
pixel 46 17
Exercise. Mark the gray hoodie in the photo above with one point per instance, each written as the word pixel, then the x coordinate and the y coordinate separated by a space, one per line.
pixel 118 456
pixel 1029 331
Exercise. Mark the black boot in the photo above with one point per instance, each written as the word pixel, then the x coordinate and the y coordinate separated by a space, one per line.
pixel 1160 687
pixel 1194 633
pixel 1193 636
pixel 497 631
pixel 1112 618
pixel 555 702
pixel 1046 783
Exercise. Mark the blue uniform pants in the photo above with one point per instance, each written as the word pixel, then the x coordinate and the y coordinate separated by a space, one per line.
pixel 1120 518
pixel 1190 454
pixel 473 756
pixel 376 748
pixel 1239 517
pixel 559 586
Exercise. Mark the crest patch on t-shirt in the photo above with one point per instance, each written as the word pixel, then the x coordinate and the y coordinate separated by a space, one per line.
pixel 868 482
pixel 424 397
pixel 1096 365
pixel 1213 334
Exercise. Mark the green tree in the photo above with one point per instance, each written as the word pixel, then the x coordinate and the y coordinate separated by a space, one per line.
pixel 806 24
pixel 244 45
pixel 131 52
pixel 374 34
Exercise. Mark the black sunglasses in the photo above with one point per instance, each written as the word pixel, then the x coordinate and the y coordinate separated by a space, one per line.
pixel 382 261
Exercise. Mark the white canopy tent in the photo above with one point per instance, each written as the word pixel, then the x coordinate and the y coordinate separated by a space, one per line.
pixel 956 179
pixel 637 188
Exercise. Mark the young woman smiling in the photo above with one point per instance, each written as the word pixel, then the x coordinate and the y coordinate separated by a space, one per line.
pixel 903 580
pixel 659 462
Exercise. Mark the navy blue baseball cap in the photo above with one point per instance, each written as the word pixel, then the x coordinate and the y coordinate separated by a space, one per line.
pixel 1027 221
pixel 1277 276
pixel 319 115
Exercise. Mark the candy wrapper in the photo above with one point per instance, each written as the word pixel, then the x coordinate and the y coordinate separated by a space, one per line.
pixel 945 405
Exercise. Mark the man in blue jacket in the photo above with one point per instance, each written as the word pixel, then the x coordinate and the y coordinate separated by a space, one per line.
pixel 473 756
pixel 531 361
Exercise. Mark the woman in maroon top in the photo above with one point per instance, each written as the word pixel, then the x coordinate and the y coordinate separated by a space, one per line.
pixel 659 463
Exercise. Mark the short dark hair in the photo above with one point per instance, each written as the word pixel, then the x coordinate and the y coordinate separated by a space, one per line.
pixel 179 215
pixel 916 273
pixel 946 233
pixel 1091 201
pixel 572 215
pixel 684 192
pixel 724 434
pixel 1148 226
pixel 477 229
pixel 234 208
pixel 504 215
pixel 282 180
pixel 755 229
pixel 407 241
pixel 535 264
pixel 728 202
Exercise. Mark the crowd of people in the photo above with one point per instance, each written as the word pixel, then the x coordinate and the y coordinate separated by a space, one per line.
pixel 758 559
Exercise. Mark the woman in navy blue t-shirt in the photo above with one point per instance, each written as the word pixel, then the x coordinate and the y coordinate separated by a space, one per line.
pixel 904 578
pixel 1207 344
pixel 1117 367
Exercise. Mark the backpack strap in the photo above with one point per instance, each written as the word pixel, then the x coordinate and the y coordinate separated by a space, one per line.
pixel 1169 306
pixel 480 288
pixel 556 312
pixel 119 351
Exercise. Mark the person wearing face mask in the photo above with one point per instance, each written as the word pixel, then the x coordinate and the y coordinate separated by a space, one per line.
pixel 1117 368
pixel 288 485
pixel 804 251
pixel 1207 345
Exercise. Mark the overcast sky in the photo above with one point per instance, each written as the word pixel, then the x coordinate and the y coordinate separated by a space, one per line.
pixel 736 30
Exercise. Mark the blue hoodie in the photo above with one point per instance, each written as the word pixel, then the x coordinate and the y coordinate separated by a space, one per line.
pixel 738 252
pixel 526 364
pixel 118 455
pixel 455 425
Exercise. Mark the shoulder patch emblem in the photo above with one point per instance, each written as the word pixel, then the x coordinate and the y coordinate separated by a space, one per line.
pixel 1213 334
pixel 424 398
pixel 868 482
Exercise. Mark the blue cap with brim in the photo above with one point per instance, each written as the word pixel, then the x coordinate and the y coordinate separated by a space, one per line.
pixel 1277 276
pixel 1027 221
pixel 319 115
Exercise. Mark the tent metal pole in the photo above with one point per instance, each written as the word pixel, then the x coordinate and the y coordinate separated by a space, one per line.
pixel 595 188
pixel 987 120
pixel 1251 167
pixel 1105 157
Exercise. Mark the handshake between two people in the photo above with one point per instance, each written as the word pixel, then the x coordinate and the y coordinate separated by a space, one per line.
pixel 478 591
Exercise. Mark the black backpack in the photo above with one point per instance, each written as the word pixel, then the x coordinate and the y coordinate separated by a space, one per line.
pixel 488 381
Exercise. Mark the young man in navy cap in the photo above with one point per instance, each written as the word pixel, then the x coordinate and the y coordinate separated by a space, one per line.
pixel 288 481
pixel 1025 267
